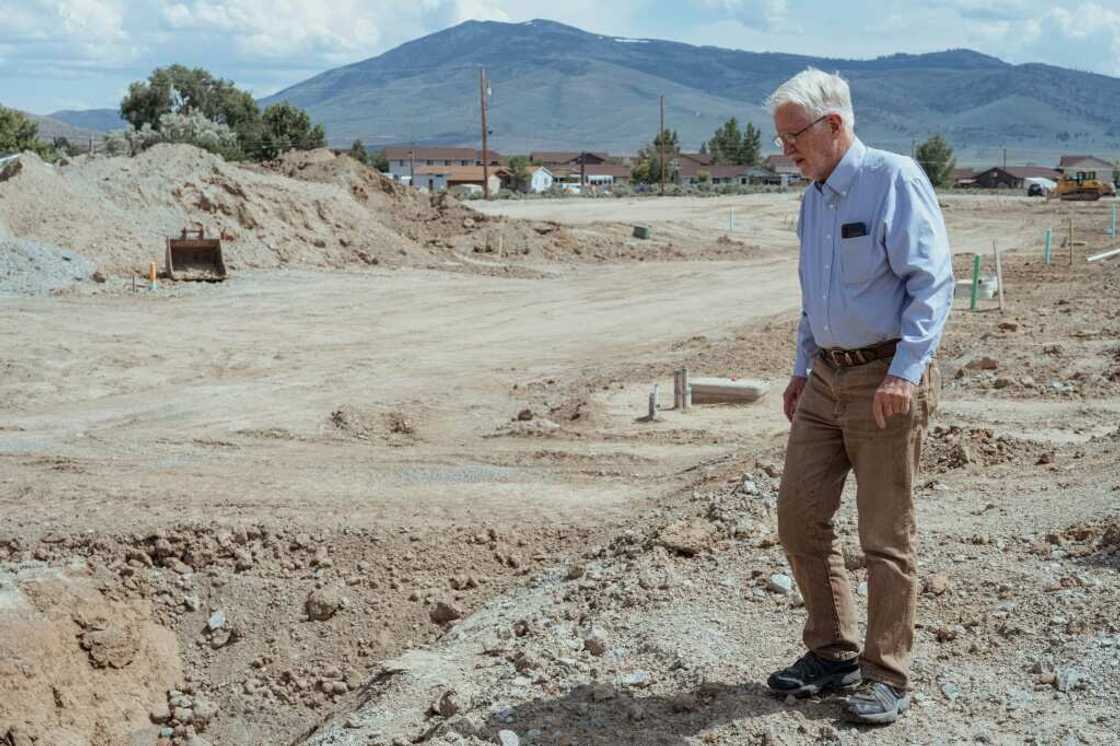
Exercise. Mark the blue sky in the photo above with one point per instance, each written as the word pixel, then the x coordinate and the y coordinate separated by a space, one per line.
pixel 77 54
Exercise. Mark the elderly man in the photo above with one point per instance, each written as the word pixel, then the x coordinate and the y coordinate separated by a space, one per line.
pixel 876 286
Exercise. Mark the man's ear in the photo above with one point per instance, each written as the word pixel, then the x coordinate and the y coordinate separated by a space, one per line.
pixel 835 123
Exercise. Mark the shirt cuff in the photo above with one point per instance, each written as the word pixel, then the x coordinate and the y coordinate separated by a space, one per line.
pixel 907 367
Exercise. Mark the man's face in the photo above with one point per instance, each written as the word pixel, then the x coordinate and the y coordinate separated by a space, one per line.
pixel 813 152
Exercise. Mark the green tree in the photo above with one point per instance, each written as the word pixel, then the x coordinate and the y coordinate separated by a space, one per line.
pixel 733 146
pixel 726 142
pixel 935 156
pixel 378 160
pixel 18 132
pixel 287 127
pixel 358 152
pixel 648 169
pixel 519 167
pixel 182 90
pixel 750 148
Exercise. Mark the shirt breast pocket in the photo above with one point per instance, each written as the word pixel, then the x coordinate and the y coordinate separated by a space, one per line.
pixel 861 259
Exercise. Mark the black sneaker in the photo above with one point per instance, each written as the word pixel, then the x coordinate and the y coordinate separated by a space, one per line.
pixel 877 704
pixel 812 674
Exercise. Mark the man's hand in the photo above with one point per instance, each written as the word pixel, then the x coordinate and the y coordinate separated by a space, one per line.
pixel 892 397
pixel 791 395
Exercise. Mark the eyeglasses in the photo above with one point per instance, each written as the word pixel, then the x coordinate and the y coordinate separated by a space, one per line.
pixel 790 138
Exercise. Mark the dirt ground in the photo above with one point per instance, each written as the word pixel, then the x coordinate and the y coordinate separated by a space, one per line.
pixel 352 494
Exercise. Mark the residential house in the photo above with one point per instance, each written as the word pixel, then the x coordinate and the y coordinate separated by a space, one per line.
pixel 963 178
pixel 1088 167
pixel 567 158
pixel 540 179
pixel 403 160
pixel 440 178
pixel 784 167
pixel 1012 177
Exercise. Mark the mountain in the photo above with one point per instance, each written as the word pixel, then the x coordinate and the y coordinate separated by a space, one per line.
pixel 98 120
pixel 50 128
pixel 557 87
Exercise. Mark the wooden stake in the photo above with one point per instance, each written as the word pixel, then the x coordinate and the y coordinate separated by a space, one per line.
pixel 999 274
pixel 678 400
pixel 1070 239
pixel 657 395
pixel 686 395
pixel 975 281
pixel 652 405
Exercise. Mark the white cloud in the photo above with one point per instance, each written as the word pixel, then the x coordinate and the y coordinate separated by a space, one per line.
pixel 761 15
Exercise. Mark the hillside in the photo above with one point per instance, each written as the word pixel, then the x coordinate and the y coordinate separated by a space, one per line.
pixel 555 86
pixel 98 120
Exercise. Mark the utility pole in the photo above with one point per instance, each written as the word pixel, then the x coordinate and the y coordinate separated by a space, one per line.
pixel 412 165
pixel 661 146
pixel 1005 159
pixel 485 153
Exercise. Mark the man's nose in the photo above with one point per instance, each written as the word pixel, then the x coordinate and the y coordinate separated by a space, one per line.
pixel 788 147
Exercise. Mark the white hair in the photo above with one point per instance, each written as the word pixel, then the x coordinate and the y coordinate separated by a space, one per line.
pixel 818 93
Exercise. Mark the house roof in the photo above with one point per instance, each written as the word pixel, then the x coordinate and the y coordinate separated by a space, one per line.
pixel 1024 172
pixel 703 159
pixel 397 153
pixel 546 156
pixel 1091 161
pixel 727 171
pixel 781 164
pixel 594 169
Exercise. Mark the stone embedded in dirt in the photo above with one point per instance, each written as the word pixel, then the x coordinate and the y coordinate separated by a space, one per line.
pixel 242 561
pixel 204 710
pixel 950 690
pixel 447 704
pixel 1009 326
pixel 177 565
pixel 508 737
pixel 110 645
pixel 936 584
pixel 982 363
pixel 748 486
pixel 525 415
pixel 445 612
pixel 636 679
pixel 192 602
pixel 779 583
pixel 1046 458
pixel 182 715
pixel 595 642
pixel 1004 382
pixel 217 620
pixel 160 714
pixel 575 571
pixel 323 603
pixel 684 703
pixel 521 628
pixel 687 538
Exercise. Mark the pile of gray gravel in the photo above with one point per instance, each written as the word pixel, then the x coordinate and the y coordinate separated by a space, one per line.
pixel 35 268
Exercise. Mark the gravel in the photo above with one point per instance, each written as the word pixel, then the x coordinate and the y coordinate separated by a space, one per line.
pixel 34 268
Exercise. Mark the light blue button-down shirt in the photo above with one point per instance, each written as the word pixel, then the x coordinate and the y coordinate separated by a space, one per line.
pixel 894 282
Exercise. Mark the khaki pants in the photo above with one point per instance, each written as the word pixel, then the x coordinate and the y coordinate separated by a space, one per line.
pixel 833 433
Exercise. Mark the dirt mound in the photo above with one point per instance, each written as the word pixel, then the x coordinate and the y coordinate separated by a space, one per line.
pixel 77 664
pixel 119 211
pixel 954 447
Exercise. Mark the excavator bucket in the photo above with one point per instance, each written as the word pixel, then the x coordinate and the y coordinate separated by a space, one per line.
pixel 193 256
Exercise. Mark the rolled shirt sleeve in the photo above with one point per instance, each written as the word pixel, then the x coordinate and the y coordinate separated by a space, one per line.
pixel 917 248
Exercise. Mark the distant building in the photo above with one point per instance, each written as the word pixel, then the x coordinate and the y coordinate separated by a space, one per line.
pixel 404 159
pixel 440 178
pixel 1012 177
pixel 540 179
pixel 784 167
pixel 566 159
pixel 1087 167
pixel 963 178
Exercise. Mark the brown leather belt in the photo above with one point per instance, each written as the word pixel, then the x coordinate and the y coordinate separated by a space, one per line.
pixel 840 358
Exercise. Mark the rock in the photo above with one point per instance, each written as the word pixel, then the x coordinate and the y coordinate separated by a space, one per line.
pixel 182 715
pixel 217 620
pixel 687 538
pixel 447 704
pixel 1004 382
pixel 861 589
pixel 1046 458
pixel 595 643
pixel 525 415
pixel 160 714
pixel 192 602
pixel 196 740
pixel 1009 326
pixel 950 690
pixel 204 710
pixel 323 603
pixel 636 679
pixel 445 612
pixel 744 529
pixel 242 561
pixel 983 363
pixel 1067 680
pixel 508 737
pixel 684 703
pixel 779 583
pixel 575 572
pixel 936 584
pixel 110 645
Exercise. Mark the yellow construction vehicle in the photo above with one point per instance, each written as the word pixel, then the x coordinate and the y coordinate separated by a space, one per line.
pixel 1082 188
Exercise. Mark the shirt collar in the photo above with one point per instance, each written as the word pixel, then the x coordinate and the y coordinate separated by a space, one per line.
pixel 845 172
